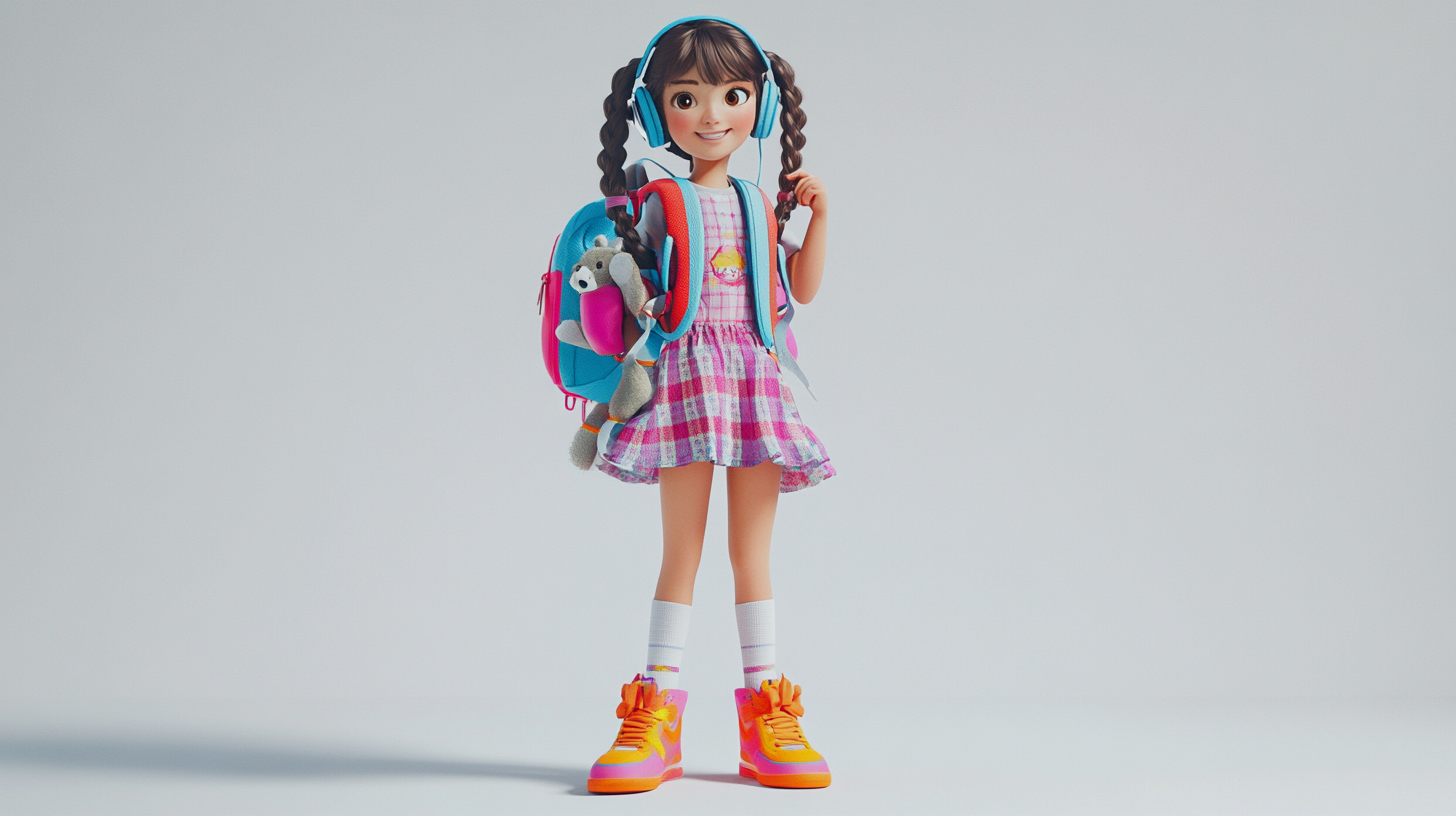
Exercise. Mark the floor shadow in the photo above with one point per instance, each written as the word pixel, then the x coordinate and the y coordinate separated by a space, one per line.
pixel 237 759
pixel 724 778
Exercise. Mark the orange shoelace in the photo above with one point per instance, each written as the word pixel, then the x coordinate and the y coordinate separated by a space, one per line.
pixel 780 708
pixel 641 707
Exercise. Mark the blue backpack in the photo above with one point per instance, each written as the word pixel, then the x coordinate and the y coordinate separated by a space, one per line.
pixel 583 375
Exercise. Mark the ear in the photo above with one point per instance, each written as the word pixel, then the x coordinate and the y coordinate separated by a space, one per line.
pixel 616 244
pixel 622 268
pixel 601 241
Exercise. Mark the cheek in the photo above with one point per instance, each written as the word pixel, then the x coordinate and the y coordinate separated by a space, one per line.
pixel 740 117
pixel 680 123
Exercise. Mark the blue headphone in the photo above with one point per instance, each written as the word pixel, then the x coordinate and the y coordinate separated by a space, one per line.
pixel 644 109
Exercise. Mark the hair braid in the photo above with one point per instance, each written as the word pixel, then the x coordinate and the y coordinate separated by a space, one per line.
pixel 792 141
pixel 614 156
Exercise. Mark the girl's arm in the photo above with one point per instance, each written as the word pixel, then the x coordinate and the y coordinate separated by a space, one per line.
pixel 806 267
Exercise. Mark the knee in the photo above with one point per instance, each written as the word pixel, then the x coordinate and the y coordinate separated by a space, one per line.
pixel 748 558
pixel 683 555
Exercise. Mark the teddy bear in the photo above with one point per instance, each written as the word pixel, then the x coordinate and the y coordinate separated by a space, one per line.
pixel 611 287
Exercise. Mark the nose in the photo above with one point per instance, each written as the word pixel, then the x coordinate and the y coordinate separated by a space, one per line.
pixel 583 280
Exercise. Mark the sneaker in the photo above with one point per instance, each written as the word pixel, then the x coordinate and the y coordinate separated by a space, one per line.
pixel 647 751
pixel 772 747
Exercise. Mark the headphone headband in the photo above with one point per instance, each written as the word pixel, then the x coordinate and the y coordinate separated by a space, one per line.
pixel 649 121
pixel 647 52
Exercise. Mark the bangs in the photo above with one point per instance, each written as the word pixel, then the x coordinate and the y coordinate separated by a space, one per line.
pixel 720 53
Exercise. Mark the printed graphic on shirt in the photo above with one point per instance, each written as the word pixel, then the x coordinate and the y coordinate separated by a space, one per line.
pixel 725 290
pixel 727 267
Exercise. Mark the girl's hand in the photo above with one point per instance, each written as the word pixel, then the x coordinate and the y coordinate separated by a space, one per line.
pixel 809 190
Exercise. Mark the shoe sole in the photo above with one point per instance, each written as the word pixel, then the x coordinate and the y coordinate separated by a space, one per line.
pixel 809 780
pixel 640 785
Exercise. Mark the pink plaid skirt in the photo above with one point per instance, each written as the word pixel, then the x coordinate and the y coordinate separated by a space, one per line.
pixel 719 399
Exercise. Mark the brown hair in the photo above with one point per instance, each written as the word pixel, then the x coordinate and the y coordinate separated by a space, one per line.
pixel 720 53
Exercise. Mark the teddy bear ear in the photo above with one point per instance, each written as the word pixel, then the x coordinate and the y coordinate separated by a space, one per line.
pixel 601 241
pixel 617 244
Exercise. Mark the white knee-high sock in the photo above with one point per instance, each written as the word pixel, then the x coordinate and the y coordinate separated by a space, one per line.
pixel 756 639
pixel 666 638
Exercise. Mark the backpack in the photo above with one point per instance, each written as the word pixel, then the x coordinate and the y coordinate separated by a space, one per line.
pixel 583 375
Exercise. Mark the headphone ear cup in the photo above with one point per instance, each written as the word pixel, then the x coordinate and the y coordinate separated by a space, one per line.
pixel 648 118
pixel 768 110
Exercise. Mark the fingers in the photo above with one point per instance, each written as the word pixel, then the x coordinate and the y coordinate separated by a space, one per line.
pixel 808 188
pixel 803 176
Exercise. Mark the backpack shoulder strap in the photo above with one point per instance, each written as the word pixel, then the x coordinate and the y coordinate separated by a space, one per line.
pixel 763 258
pixel 765 269
pixel 683 263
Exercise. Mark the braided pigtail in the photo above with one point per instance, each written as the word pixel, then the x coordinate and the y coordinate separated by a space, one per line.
pixel 792 121
pixel 614 156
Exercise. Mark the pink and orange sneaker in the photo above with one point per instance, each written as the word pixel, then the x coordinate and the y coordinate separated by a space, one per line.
pixel 772 747
pixel 648 749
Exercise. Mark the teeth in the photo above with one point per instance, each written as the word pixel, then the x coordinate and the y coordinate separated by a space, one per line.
pixel 713 137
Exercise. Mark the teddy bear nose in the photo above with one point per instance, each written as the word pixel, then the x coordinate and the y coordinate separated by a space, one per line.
pixel 582 280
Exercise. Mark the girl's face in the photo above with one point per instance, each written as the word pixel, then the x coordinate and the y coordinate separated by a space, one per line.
pixel 709 122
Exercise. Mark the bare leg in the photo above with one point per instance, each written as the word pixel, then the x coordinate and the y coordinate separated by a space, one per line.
pixel 753 498
pixel 684 521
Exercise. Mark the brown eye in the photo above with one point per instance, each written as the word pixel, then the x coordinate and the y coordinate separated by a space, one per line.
pixel 737 96
pixel 683 101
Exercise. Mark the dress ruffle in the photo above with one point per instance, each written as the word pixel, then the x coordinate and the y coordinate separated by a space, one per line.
pixel 719 399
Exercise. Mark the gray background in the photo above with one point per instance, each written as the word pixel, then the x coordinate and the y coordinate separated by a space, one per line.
pixel 1135 353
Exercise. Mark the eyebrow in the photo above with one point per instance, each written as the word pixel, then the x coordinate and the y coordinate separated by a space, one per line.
pixel 683 82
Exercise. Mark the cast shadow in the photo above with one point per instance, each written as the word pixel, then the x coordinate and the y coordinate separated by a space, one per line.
pixel 721 778
pixel 159 755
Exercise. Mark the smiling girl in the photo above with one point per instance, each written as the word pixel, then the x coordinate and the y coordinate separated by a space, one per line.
pixel 720 399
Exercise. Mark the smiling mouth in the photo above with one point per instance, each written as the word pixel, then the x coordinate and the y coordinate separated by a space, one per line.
pixel 713 137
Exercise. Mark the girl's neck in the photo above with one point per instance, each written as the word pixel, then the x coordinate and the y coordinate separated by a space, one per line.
pixel 710 173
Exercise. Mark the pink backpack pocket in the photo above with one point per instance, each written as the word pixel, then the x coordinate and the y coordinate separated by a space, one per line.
pixel 601 319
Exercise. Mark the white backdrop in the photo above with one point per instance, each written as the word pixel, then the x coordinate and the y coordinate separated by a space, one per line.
pixel 1136 353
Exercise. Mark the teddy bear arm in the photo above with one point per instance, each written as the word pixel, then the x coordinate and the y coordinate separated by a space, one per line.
pixel 629 279
pixel 570 332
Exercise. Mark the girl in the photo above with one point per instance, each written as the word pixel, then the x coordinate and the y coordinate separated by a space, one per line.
pixel 719 399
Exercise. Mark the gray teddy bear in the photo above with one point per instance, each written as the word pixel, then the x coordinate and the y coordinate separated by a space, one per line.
pixel 605 266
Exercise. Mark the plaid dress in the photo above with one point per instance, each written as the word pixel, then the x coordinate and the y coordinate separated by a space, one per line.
pixel 719 395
